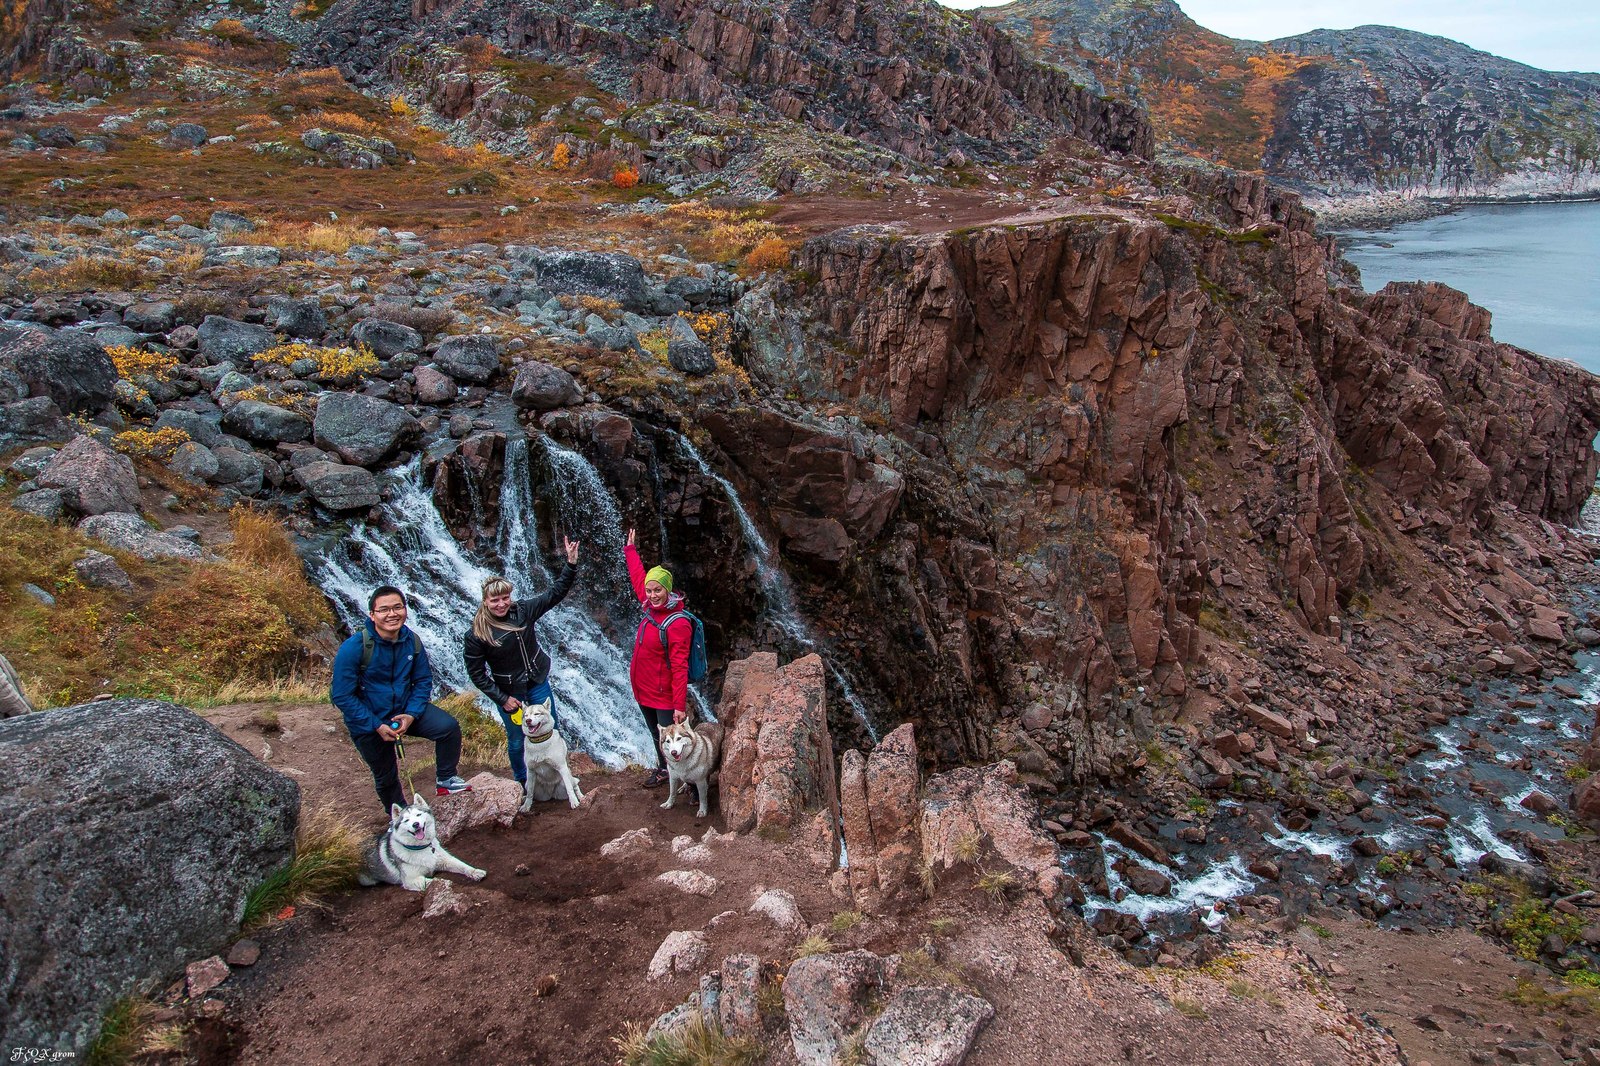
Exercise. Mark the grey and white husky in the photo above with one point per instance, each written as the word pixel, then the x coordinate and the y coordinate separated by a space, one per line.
pixel 691 757
pixel 544 753
pixel 408 853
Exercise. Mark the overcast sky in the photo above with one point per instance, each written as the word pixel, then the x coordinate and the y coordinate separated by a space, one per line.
pixel 1553 34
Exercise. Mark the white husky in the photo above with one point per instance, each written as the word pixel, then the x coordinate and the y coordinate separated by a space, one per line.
pixel 691 756
pixel 544 753
pixel 408 854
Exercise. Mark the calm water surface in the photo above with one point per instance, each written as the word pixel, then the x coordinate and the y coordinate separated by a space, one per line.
pixel 1535 266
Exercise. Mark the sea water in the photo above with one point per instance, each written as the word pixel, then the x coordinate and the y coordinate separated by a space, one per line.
pixel 1536 267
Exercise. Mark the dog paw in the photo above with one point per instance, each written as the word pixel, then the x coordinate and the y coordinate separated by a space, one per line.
pixel 477 874
pixel 667 806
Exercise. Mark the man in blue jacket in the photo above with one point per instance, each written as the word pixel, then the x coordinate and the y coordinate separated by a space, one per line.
pixel 381 683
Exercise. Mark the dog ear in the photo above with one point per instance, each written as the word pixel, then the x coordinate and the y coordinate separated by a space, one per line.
pixel 419 802
pixel 395 810
pixel 661 732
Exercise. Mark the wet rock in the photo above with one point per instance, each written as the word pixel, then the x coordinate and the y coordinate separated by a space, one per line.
pixel 95 479
pixel 825 997
pixel 100 571
pixel 265 423
pixel 386 339
pixel 1124 834
pixel 926 1027
pixel 1265 869
pixel 68 368
pixel 1586 801
pixel 338 487
pixel 130 533
pixel 1586 636
pixel 1144 881
pixel 227 340
pixel 362 429
pixel 542 387
pixel 1366 845
pixel 1539 803
pixel 473 359
pixel 687 353
pixel 432 387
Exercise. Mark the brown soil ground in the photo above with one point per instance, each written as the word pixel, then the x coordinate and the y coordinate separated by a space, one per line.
pixel 368 979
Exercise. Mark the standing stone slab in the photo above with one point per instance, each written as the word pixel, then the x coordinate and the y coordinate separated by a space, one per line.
pixel 132 832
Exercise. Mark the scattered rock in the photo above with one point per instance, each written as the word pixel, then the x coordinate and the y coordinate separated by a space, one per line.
pixel 386 339
pixel 779 908
pixel 694 882
pixel 826 997
pixel 244 953
pixel 440 899
pixel 69 368
pixel 130 533
pixel 266 423
pixel 630 843
pixel 100 571
pixel 227 340
pixel 494 800
pixel 96 479
pixel 201 977
pixel 543 387
pixel 433 387
pixel 681 952
pixel 738 1009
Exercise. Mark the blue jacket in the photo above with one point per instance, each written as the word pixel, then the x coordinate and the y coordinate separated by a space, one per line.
pixel 399 680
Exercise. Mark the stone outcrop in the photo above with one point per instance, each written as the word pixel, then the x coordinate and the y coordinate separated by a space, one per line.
pixel 172 820
pixel 777 772
pixel 980 810
pixel 879 803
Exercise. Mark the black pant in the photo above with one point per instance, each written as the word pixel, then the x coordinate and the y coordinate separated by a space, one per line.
pixel 433 724
pixel 653 717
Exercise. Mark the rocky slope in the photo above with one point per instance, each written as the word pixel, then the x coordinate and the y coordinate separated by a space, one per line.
pixel 1337 113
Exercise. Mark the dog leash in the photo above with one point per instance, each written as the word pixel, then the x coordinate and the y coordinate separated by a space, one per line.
pixel 400 756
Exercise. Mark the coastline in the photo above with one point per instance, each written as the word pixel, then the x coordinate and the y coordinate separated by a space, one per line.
pixel 1381 210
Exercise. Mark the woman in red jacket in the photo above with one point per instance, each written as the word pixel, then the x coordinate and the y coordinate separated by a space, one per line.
pixel 660 667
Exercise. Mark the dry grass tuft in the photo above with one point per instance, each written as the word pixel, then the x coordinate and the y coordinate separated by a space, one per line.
pixel 127 1027
pixel 334 238
pixel 327 858
pixel 997 884
pixel 89 272
pixel 695 1044
pixel 815 944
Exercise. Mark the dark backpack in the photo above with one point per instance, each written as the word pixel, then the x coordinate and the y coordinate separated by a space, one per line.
pixel 368 646
pixel 697 645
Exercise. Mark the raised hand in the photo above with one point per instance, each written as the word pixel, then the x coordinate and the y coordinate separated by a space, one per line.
pixel 572 550
pixel 633 537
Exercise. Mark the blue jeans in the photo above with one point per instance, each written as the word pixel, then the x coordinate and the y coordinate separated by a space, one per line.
pixel 514 736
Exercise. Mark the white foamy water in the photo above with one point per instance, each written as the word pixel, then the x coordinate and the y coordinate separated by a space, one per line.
pixel 1474 838
pixel 776 589
pixel 1449 753
pixel 1313 843
pixel 1222 880
pixel 1514 801
pixel 589 674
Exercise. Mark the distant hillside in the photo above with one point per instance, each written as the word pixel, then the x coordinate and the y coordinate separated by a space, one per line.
pixel 1334 111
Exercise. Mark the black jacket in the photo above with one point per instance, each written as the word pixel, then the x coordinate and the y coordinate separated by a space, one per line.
pixel 513 663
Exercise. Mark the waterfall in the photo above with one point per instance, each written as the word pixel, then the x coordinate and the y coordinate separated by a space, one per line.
pixel 415 551
pixel 776 589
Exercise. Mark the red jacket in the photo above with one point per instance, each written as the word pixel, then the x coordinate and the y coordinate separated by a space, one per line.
pixel 660 675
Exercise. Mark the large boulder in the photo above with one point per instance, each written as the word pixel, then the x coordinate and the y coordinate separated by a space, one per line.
pixel 98 479
pixel 36 420
pixel 130 533
pixel 386 339
pixel 265 423
pixel 241 471
pixel 544 387
pixel 364 430
pixel 984 804
pixel 825 997
pixel 1586 801
pixel 297 318
pixel 132 831
pixel 202 429
pixel 609 275
pixel 472 358
pixel 687 353
pixel 227 340
pixel 69 368
pixel 926 1027
pixel 338 487
pixel 777 763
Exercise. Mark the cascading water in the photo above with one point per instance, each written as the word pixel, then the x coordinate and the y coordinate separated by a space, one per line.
pixel 413 550
pixel 775 587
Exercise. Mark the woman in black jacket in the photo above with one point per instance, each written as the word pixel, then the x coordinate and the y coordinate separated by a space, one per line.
pixel 503 655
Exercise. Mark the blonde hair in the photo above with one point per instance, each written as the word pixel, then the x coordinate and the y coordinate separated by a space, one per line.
pixel 484 625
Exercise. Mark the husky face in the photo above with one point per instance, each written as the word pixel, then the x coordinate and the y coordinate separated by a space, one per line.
pixel 537 719
pixel 677 741
pixel 413 825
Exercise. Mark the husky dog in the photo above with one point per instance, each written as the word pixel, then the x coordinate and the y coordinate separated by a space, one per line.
pixel 691 756
pixel 544 753
pixel 408 854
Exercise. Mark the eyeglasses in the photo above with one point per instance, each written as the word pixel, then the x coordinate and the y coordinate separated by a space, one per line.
pixel 389 610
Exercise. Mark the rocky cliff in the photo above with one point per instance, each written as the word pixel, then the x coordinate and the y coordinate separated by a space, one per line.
pixel 1336 112
pixel 925 85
